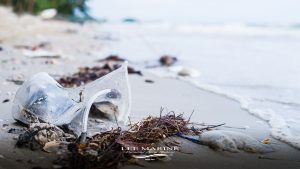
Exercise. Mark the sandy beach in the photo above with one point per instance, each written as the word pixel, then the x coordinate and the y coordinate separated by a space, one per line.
pixel 81 45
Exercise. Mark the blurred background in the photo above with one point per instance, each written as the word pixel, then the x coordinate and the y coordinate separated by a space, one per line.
pixel 247 50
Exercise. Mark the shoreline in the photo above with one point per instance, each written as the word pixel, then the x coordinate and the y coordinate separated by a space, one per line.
pixel 147 98
pixel 147 101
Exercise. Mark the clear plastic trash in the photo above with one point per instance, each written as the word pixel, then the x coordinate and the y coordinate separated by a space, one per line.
pixel 44 98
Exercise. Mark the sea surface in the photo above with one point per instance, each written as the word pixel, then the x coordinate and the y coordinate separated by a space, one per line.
pixel 245 50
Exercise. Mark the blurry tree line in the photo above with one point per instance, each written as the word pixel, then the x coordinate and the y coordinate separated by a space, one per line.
pixel 63 7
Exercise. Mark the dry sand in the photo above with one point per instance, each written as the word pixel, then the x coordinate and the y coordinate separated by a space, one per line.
pixel 81 45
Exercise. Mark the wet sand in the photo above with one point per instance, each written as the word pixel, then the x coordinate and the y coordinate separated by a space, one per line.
pixel 81 45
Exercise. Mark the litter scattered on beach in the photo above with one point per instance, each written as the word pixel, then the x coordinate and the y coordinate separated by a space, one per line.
pixel 138 141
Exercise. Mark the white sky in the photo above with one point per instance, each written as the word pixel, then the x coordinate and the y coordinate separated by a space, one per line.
pixel 205 11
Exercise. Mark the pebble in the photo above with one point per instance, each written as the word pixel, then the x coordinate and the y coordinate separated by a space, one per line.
pixel 167 60
pixel 188 72
pixel 149 81
pixel 5 100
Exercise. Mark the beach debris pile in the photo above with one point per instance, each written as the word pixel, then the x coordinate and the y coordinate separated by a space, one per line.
pixel 105 149
pixel 113 148
pixel 88 74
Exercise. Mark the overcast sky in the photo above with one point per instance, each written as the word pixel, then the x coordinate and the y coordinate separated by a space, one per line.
pixel 205 11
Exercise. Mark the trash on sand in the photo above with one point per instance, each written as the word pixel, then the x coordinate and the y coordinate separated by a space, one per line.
pixel 167 60
pixel 233 141
pixel 40 53
pixel 106 149
pixel 42 99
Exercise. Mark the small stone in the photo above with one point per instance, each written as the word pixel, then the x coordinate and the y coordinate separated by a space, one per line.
pixel 149 81
pixel 15 131
pixel 167 60
pixel 5 100
pixel 188 72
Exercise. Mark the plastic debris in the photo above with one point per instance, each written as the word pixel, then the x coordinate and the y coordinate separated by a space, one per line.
pixel 233 141
pixel 42 99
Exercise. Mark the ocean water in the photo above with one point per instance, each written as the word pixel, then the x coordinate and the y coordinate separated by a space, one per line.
pixel 249 51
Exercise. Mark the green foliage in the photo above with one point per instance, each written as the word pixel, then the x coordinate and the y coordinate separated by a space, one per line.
pixel 64 7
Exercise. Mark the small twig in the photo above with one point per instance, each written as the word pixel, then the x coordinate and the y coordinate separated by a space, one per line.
pixel 190 116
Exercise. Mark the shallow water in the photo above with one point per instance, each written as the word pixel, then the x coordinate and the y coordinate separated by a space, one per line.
pixel 251 56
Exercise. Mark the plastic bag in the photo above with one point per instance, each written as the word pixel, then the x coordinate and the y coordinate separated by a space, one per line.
pixel 41 96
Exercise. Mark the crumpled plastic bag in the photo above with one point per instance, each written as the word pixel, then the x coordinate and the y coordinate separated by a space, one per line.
pixel 42 97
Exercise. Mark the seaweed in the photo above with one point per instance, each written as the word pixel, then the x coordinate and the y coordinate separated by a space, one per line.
pixel 89 74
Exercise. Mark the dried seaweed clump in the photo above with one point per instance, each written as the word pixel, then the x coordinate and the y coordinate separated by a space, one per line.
pixel 89 74
pixel 101 151
pixel 154 129
pixel 105 150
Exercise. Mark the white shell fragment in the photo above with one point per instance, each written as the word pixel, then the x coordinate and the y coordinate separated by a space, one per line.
pixel 184 71
pixel 54 146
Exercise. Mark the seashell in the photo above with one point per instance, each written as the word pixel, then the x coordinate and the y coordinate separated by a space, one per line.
pixel 188 72
pixel 53 146
pixel 184 71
